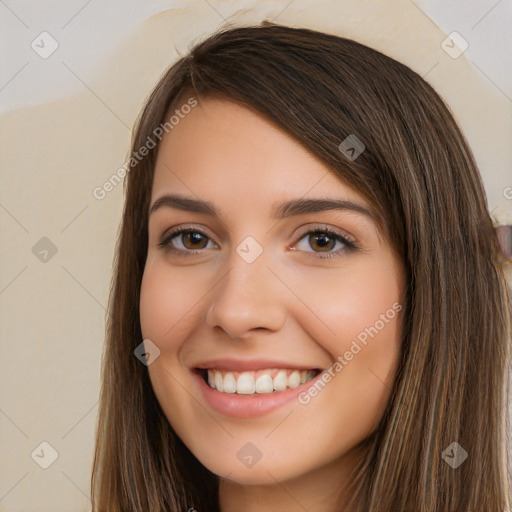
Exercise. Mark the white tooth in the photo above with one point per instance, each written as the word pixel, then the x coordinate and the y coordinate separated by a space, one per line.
pixel 219 381
pixel 294 379
pixel 264 384
pixel 280 381
pixel 245 384
pixel 211 379
pixel 229 383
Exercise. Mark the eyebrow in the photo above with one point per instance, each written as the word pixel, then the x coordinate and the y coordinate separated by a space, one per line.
pixel 281 211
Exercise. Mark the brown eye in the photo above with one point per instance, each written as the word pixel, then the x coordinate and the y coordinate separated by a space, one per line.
pixel 325 243
pixel 194 240
pixel 321 241
pixel 186 242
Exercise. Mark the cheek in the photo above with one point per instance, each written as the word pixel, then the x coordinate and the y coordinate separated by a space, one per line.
pixel 169 308
pixel 355 316
pixel 361 303
pixel 168 302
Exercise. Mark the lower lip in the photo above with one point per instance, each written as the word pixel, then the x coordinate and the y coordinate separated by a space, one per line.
pixel 249 406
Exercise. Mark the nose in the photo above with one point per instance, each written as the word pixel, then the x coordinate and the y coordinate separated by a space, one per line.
pixel 248 298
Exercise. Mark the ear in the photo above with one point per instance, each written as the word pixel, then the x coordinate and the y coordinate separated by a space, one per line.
pixel 504 233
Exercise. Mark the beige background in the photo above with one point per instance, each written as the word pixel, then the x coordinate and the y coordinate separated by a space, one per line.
pixel 65 130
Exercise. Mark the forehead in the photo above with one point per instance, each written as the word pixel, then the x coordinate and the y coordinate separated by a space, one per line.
pixel 223 149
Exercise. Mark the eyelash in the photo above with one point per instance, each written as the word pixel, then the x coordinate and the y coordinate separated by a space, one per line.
pixel 349 245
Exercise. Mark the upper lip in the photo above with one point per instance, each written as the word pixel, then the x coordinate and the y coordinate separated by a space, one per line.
pixel 236 364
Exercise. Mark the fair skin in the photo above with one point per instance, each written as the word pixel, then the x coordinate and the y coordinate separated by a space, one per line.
pixel 289 305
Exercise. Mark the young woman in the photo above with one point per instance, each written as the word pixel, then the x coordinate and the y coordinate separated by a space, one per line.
pixel 308 310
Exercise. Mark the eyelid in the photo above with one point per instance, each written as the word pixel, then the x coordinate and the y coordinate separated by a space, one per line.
pixel 304 230
pixel 175 230
pixel 348 242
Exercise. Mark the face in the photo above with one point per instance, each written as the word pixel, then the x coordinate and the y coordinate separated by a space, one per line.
pixel 266 276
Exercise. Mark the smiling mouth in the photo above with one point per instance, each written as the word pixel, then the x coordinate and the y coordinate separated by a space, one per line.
pixel 256 382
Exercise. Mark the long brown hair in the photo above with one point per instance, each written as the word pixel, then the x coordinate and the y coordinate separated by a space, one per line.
pixel 419 174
